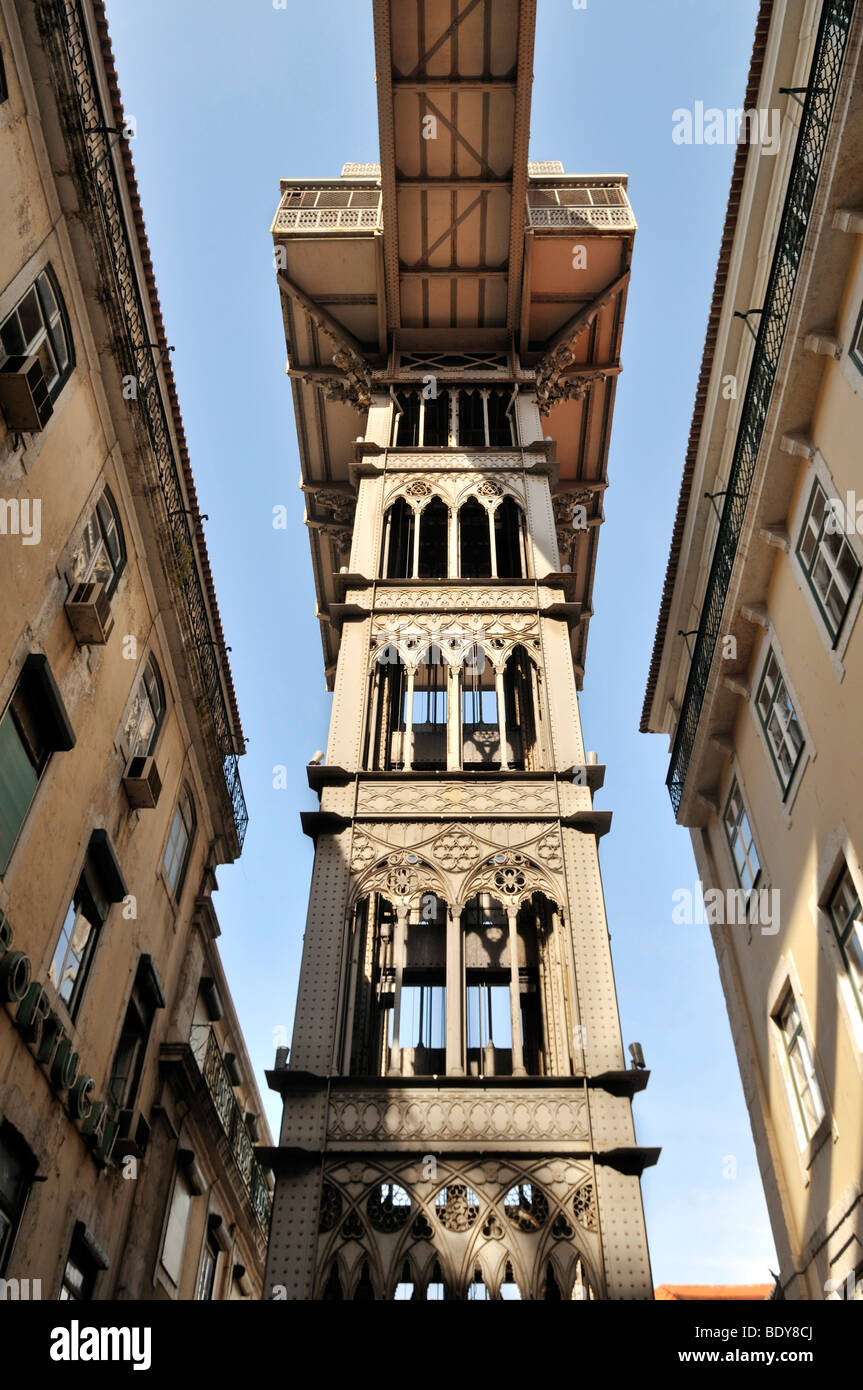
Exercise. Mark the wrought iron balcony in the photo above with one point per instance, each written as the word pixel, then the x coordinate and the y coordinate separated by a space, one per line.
pixel 205 1050
pixel 811 141
pixel 96 138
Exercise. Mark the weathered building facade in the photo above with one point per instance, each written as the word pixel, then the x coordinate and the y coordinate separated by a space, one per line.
pixel 128 1108
pixel 758 661
pixel 457 1110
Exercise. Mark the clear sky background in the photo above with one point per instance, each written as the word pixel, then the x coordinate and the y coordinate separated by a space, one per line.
pixel 231 95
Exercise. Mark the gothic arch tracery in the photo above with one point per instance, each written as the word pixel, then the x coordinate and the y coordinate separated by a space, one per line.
pixel 486 1239
pixel 512 878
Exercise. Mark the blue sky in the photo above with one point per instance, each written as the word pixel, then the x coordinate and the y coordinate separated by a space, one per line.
pixel 230 97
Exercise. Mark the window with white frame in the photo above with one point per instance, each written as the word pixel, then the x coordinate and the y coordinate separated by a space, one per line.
pixel 806 1100
pixel 846 919
pixel 779 721
pixel 828 560
pixel 741 841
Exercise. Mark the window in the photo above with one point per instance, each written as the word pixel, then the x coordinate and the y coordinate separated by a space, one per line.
pixel 805 1092
pixel 387 703
pixel 468 417
pixel 855 351
pixel 128 1064
pixel 435 1289
pixel 207 1273
pixel 489 1020
pixel 406 1287
pixel 419 993
pixel 509 539
pixel 479 712
pixel 429 713
pixel 471 419
pixel 83 1263
pixel 179 844
pixel 779 721
pixel 523 711
pixel 844 911
pixel 38 327
pixel 474 541
pixel 102 552
pixel 398 549
pixel 433 547
pixel 74 950
pixel 100 884
pixel 421 421
pixel 423 1016
pixel 477 1288
pixel 741 841
pixel 33 726
pixel 509 1290
pixel 416 544
pixel 175 1233
pixel 146 714
pixel 501 433
pixel 829 563
pixel 17 1166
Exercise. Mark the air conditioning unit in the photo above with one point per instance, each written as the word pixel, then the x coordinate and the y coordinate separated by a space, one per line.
pixel 24 394
pixel 142 782
pixel 133 1135
pixel 88 609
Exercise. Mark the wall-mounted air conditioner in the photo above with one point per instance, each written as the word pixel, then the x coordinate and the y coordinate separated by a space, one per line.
pixel 88 609
pixel 142 782
pixel 24 395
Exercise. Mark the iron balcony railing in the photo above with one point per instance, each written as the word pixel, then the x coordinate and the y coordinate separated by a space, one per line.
pixel 98 138
pixel 339 207
pixel 811 141
pixel 205 1050
pixel 580 203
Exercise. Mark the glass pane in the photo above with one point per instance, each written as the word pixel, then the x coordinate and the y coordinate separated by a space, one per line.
pixel 18 782
pixel 854 956
pixel 30 316
pixel 13 1177
pixel 12 337
pixel 848 568
pixel 175 1235
pixel 49 367
pixel 58 338
pixel 74 1282
pixel 71 949
pixel 46 294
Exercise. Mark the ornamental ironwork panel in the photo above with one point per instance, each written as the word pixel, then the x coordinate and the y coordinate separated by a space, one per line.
pixel 803 179
pixel 98 137
pixel 205 1050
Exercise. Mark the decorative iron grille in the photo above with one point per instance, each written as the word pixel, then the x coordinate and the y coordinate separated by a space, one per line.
pixel 97 137
pixel 205 1050
pixel 811 141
